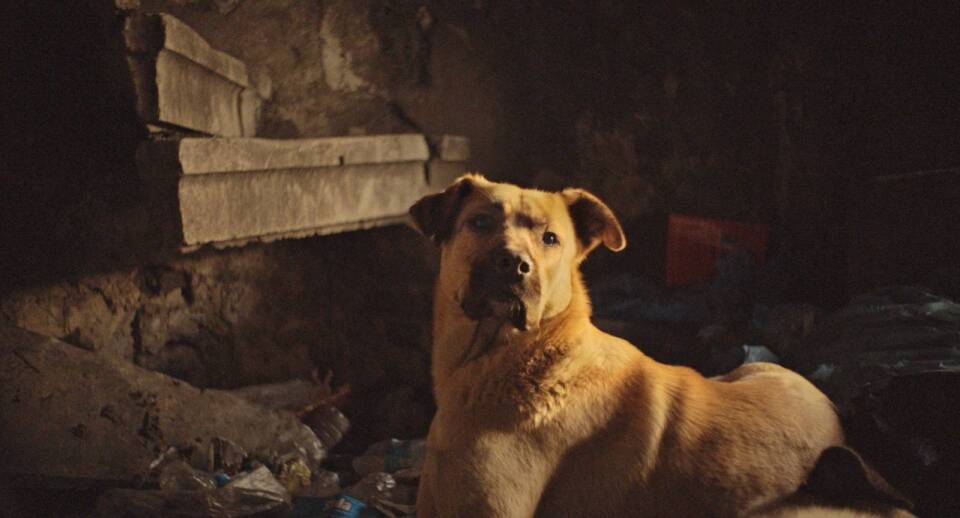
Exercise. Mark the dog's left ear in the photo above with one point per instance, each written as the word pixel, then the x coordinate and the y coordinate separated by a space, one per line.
pixel 593 221
pixel 434 215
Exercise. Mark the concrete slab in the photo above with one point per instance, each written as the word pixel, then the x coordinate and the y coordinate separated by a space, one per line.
pixel 229 191
pixel 222 207
pixel 180 80
pixel 149 33
pixel 194 156
pixel 453 148
pixel 443 173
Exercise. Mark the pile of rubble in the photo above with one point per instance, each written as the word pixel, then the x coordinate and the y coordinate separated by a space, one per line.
pixel 151 445
pixel 231 482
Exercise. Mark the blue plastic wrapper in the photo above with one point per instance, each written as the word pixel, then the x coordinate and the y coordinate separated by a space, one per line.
pixel 221 479
pixel 339 506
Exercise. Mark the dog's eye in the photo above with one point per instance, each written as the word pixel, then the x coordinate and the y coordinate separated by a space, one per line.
pixel 550 238
pixel 481 222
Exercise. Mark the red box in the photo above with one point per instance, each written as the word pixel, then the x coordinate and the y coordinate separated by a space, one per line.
pixel 694 244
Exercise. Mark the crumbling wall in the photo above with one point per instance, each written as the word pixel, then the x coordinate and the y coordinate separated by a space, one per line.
pixel 82 263
pixel 262 313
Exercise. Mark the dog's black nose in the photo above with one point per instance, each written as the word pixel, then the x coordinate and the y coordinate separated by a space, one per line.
pixel 513 266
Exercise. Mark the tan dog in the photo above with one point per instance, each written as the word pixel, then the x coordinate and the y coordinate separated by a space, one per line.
pixel 540 413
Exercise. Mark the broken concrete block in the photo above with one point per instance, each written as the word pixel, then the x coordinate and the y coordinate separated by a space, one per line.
pixel 443 173
pixel 450 163
pixel 453 148
pixel 229 191
pixel 71 417
pixel 180 80
pixel 194 156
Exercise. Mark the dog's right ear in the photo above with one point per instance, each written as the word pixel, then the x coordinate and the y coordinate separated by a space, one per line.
pixel 435 214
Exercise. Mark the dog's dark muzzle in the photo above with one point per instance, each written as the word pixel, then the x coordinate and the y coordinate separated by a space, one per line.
pixel 497 286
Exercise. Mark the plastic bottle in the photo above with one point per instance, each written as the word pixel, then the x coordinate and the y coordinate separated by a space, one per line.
pixel 329 424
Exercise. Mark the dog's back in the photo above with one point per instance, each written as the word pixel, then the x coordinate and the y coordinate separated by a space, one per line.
pixel 678 443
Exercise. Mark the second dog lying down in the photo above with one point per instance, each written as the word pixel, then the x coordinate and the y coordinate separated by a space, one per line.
pixel 841 485
pixel 540 413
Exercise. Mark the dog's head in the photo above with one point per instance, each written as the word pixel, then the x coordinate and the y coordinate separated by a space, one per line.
pixel 510 253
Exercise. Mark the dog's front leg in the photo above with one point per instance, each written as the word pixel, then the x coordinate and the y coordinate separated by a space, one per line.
pixel 426 508
pixel 497 476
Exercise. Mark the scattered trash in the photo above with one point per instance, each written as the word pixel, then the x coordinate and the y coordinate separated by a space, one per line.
pixel 324 484
pixel 224 455
pixel 292 445
pixel 221 479
pixel 897 330
pixel 342 506
pixel 372 497
pixel 294 474
pixel 382 492
pixel 391 455
pixel 313 402
pixel 329 424
pixel 259 483
pixel 164 456
pixel 373 486
pixel 178 475
pixel 249 494
pixel 218 455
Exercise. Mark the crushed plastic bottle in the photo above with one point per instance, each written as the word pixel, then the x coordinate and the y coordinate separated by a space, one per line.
pixel 329 424
pixel 259 483
pixel 219 455
pixel 390 456
pixel 294 443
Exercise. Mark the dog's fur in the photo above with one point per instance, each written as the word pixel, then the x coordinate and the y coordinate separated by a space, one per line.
pixel 540 413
